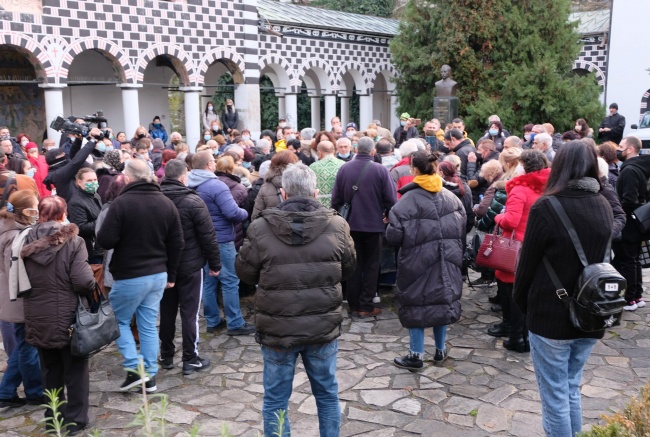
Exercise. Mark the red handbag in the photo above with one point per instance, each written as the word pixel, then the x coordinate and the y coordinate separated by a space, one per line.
pixel 498 252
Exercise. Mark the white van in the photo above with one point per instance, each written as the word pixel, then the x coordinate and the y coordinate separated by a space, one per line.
pixel 643 132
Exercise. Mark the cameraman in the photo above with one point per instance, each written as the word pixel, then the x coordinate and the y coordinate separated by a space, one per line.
pixel 63 169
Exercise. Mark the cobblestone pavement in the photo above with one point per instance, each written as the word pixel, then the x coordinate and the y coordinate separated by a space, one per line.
pixel 482 389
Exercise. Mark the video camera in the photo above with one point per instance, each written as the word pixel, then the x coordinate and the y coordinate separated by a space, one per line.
pixel 69 126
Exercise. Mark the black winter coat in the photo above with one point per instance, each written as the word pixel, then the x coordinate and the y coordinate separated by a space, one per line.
pixel 534 292
pixel 55 260
pixel 249 203
pixel 198 232
pixel 298 254
pixel 230 119
pixel 466 200
pixel 83 210
pixel 429 229
pixel 462 150
pixel 144 228
pixel 632 190
pixel 63 176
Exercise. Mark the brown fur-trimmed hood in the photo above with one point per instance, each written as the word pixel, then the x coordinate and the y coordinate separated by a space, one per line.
pixel 46 239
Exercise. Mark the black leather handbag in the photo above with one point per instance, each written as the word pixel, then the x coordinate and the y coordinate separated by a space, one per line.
pixel 92 332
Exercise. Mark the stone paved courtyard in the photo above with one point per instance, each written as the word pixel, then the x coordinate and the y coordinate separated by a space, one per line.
pixel 482 389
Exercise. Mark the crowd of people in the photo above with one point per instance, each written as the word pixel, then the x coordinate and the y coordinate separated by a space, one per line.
pixel 302 219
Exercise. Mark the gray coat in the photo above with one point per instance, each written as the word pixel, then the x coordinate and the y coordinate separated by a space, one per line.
pixel 429 228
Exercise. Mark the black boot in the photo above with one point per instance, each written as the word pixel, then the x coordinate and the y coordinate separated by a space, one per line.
pixel 499 330
pixel 518 341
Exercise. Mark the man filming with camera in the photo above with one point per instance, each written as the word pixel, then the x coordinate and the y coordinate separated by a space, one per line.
pixel 64 166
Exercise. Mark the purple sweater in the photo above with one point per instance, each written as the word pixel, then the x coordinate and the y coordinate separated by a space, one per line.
pixel 376 194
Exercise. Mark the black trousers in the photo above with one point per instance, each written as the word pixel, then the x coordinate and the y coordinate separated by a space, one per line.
pixel 362 286
pixel 185 294
pixel 59 369
pixel 518 329
pixel 626 261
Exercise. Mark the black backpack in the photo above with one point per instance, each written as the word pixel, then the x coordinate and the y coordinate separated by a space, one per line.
pixel 596 302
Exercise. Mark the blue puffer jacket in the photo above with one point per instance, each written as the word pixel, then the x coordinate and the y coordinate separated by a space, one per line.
pixel 223 209
pixel 158 132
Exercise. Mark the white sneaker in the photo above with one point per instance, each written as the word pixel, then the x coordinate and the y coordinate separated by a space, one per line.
pixel 640 303
pixel 631 307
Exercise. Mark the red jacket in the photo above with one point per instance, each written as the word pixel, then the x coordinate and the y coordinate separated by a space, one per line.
pixel 401 174
pixel 41 173
pixel 523 191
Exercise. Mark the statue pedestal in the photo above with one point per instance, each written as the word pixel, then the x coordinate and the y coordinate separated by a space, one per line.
pixel 445 109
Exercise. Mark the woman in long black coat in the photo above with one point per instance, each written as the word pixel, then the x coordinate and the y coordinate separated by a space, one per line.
pixel 428 225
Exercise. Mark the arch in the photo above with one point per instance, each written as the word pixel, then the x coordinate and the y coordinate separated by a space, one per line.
pixel 586 65
pixel 388 71
pixel 116 56
pixel 358 74
pixel 321 69
pixel 180 59
pixel 283 71
pixel 645 99
pixel 221 53
pixel 37 56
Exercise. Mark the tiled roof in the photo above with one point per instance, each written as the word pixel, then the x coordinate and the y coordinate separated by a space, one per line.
pixel 308 16
pixel 591 21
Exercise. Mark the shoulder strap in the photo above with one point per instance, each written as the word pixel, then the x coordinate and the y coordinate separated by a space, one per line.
pixel 574 235
pixel 5 193
pixel 570 229
pixel 355 187
pixel 559 288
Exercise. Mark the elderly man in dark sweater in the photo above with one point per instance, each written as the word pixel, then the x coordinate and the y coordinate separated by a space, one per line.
pixel 375 196
pixel 144 229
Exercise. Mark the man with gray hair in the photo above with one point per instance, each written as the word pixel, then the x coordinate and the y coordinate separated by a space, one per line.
pixel 374 195
pixel 344 150
pixel 326 169
pixel 200 246
pixel 544 143
pixel 298 254
pixel 144 229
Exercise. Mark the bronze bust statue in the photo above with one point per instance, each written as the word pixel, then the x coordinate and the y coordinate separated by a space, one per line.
pixel 447 86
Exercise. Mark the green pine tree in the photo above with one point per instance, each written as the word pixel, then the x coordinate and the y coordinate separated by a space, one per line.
pixel 377 8
pixel 509 57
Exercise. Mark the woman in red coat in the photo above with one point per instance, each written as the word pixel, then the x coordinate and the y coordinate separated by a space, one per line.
pixel 523 191
pixel 41 167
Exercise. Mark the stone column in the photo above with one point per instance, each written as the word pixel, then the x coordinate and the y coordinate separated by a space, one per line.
pixel 53 108
pixel 345 111
pixel 365 111
pixel 315 113
pixel 393 121
pixel 282 107
pixel 291 101
pixel 130 107
pixel 193 121
pixel 330 111
pixel 247 102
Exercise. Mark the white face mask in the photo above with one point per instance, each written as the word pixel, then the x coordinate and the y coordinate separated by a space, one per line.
pixel 210 108
pixel 578 128
pixel 24 142
pixel 282 125
pixel 519 170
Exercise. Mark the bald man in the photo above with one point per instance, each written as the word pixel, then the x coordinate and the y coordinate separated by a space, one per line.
pixel 512 141
pixel 326 168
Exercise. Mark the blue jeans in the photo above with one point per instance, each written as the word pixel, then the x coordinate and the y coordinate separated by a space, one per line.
pixel 320 365
pixel 229 290
pixel 558 369
pixel 8 336
pixel 140 296
pixel 23 367
pixel 416 336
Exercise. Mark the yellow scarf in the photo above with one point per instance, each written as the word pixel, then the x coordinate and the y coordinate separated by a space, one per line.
pixel 429 182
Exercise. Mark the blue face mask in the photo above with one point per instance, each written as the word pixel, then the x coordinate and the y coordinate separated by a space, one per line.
pixel 246 164
pixel 158 125
pixel 109 148
pixel 402 123
pixel 494 132
pixel 101 147
pixel 31 172
pixel 206 137
pixel 215 152
pixel 347 155
pixel 532 136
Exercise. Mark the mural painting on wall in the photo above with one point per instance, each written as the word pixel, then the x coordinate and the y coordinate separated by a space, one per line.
pixel 23 6
pixel 21 104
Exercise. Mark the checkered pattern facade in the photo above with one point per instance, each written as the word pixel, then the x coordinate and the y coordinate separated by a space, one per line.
pixel 195 34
